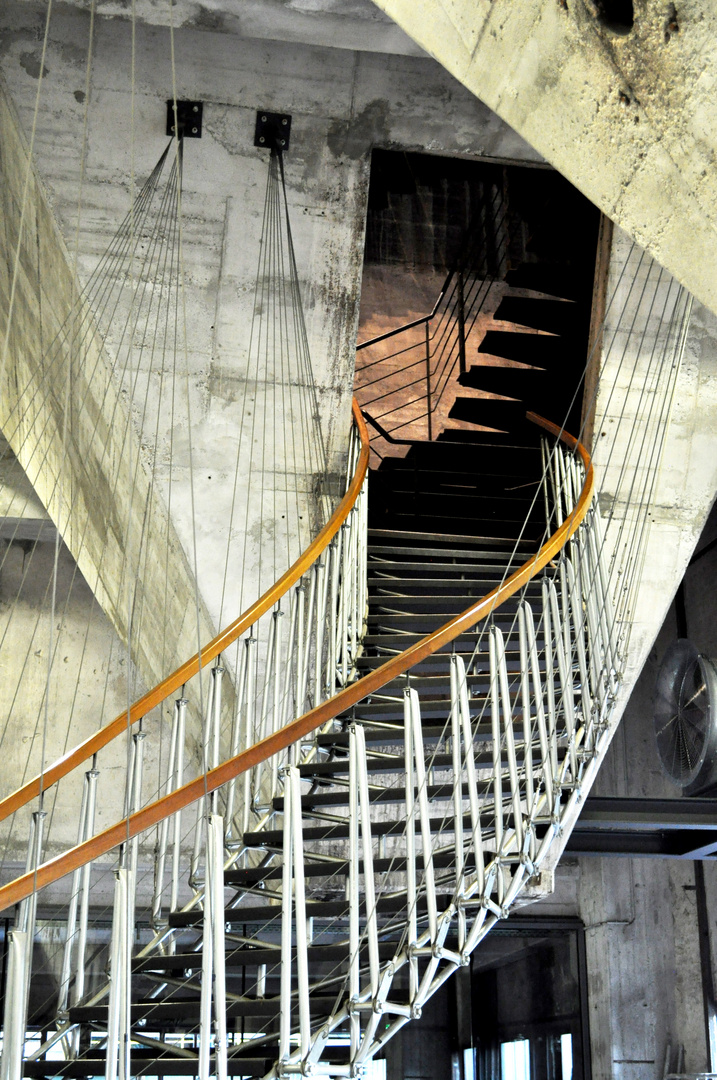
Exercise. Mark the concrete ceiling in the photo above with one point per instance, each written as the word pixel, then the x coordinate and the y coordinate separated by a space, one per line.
pixel 629 115
pixel 343 24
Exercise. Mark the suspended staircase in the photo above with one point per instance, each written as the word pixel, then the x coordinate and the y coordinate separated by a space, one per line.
pixel 417 708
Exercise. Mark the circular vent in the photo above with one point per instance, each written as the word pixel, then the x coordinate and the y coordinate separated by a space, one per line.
pixel 685 707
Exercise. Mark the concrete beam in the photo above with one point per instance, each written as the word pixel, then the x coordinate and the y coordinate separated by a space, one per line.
pixel 88 473
pixel 630 118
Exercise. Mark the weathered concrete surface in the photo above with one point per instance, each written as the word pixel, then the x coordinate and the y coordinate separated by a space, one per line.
pixel 630 119
pixel 87 470
pixel 343 102
pixel 78 665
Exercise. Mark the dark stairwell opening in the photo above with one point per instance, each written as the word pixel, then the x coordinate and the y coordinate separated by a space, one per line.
pixel 455 493
pixel 476 306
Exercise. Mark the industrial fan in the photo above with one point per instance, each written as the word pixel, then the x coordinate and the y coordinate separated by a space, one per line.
pixel 686 717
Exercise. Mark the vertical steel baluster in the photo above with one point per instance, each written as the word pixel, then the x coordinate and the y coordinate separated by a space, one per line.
pixel 160 852
pixel 509 738
pixel 332 655
pixel 307 623
pixel 201 811
pixel 353 584
pixel 497 765
pixel 71 922
pixel 597 538
pixel 353 898
pixel 136 796
pixel 291 661
pixel 117 1055
pixel 567 685
pixel 426 841
pixel 214 900
pixel 458 671
pixel 15 1023
pixel 368 872
pixel 320 626
pixel 411 867
pixel 286 920
pixel 80 969
pixel 526 627
pixel 550 679
pixel 22 939
pixel 371 932
pixel 302 957
pixel 205 1000
pixel 343 603
pixel 236 743
pixel 458 803
pixel 568 584
pixel 181 712
pixel 459 688
pixel 527 718
pixel 249 792
pixel 265 705
pixel 310 634
pixel 217 673
pixel 76 936
pixel 589 583
pixel 276 699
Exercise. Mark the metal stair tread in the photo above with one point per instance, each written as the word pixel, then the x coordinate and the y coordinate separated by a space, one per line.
pixel 181 1008
pixel 147 1065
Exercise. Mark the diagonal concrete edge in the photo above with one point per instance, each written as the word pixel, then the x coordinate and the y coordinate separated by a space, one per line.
pixel 101 496
pixel 630 119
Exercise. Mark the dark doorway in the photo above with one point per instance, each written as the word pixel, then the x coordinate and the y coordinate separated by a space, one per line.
pixel 530 1003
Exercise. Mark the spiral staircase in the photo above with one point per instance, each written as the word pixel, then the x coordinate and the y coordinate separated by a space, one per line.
pixel 395 740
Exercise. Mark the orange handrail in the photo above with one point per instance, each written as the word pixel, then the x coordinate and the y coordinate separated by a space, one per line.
pixel 150 815
pixel 222 641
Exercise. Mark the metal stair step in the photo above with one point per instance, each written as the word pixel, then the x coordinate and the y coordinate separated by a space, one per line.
pixel 160 1012
pixel 336 867
pixel 265 914
pixel 239 956
pixel 427 605
pixel 274 838
pixel 471 556
pixel 423 537
pixel 434 792
pixel 146 1065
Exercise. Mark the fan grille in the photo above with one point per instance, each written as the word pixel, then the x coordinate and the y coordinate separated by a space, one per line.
pixel 683 712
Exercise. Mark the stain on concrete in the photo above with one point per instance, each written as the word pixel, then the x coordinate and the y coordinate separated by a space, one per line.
pixel 353 138
pixel 221 125
pixel 208 20
pixel 80 96
pixel 73 54
pixel 30 61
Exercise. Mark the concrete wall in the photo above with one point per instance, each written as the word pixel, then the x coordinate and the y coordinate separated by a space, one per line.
pixel 342 101
pixel 626 113
pixel 346 91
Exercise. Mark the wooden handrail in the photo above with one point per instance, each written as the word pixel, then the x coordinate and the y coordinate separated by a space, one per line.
pixel 144 819
pixel 222 641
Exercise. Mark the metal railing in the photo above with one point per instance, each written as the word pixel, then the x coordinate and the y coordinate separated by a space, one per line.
pixel 480 806
pixel 294 648
pixel 403 391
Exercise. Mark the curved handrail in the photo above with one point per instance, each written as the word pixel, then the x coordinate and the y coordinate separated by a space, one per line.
pixel 350 695
pixel 85 750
